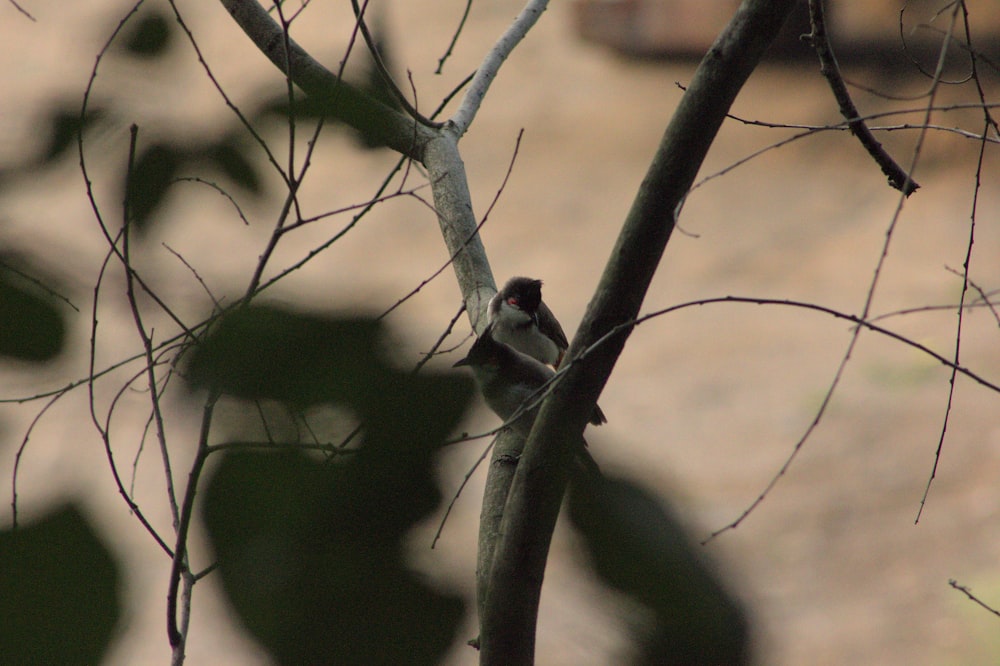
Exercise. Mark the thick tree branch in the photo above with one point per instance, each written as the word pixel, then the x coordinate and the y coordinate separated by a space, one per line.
pixel 508 624
pixel 436 148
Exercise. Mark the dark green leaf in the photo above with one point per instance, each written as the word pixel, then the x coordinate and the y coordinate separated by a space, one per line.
pixel 65 125
pixel 375 83
pixel 149 36
pixel 228 157
pixel 152 174
pixel 59 596
pixel 639 547
pixel 265 352
pixel 31 327
pixel 275 107
pixel 314 569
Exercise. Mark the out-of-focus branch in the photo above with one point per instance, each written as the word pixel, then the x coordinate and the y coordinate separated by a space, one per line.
pixel 508 625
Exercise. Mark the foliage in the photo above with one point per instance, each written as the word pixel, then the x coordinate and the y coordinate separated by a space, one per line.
pixel 59 593
pixel 309 533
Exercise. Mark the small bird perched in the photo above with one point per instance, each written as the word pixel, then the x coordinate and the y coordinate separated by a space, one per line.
pixel 508 378
pixel 520 319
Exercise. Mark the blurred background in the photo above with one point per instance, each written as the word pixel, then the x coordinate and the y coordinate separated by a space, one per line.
pixel 705 404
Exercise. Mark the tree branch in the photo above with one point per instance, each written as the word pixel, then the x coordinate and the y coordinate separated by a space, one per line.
pixel 491 64
pixel 508 624
pixel 343 101
pixel 898 178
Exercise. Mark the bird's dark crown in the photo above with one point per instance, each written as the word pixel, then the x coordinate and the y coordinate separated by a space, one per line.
pixel 524 292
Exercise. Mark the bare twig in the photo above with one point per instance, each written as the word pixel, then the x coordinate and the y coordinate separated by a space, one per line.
pixel 101 429
pixel 458 491
pixel 987 123
pixel 180 567
pixel 20 452
pixel 340 99
pixel 147 342
pixel 454 38
pixel 38 283
pixel 220 190
pixel 491 64
pixel 222 93
pixel 22 10
pixel 898 178
pixel 968 593
pixel 440 341
pixel 359 15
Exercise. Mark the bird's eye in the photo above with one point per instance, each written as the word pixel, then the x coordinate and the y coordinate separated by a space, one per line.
pixel 512 300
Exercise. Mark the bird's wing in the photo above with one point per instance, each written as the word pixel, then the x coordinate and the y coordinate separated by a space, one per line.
pixel 549 326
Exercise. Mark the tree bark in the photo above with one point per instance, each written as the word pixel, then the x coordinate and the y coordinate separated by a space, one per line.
pixel 510 613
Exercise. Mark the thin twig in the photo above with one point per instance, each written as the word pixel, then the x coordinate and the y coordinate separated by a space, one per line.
pixel 474 234
pixel 225 97
pixel 104 433
pixel 383 70
pixel 898 178
pixel 147 342
pixel 196 275
pixel 458 491
pixel 88 184
pixel 454 38
pixel 38 283
pixel 437 345
pixel 25 12
pixel 220 190
pixel 179 567
pixel 20 452
pixel 964 274
pixel 967 592
pixel 490 66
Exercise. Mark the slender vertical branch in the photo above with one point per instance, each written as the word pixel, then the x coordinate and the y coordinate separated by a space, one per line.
pixel 147 342
pixel 988 122
pixel 179 565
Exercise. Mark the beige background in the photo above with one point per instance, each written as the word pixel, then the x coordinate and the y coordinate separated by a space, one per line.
pixel 704 405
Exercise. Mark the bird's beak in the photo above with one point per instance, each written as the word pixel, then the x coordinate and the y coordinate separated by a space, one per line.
pixel 464 361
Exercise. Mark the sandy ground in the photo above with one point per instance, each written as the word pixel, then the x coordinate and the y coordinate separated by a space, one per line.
pixel 705 404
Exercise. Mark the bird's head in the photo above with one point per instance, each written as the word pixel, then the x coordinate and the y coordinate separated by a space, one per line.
pixel 484 353
pixel 523 293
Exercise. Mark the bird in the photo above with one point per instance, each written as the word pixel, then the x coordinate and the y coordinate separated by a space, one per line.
pixel 509 379
pixel 521 319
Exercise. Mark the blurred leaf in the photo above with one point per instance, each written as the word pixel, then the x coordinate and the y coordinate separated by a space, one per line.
pixel 374 82
pixel 59 595
pixel 366 105
pixel 149 36
pixel 152 174
pixel 266 352
pixel 313 567
pixel 228 156
pixel 311 554
pixel 65 125
pixel 640 548
pixel 275 107
pixel 31 327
